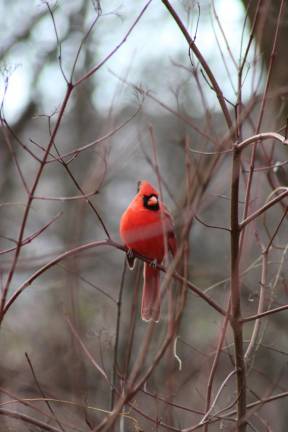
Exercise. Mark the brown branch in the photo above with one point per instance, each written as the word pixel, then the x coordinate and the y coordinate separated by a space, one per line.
pixel 30 199
pixel 215 362
pixel 211 226
pixel 261 304
pixel 97 141
pixel 135 380
pixel 85 350
pixel 262 137
pixel 263 209
pixel 117 336
pixel 28 419
pixel 51 409
pixel 86 197
pixel 14 155
pixel 235 295
pixel 95 244
pixel 30 238
pixel 66 198
pixel 264 314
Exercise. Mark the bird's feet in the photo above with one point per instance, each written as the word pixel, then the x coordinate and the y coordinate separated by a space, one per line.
pixel 130 258
pixel 153 263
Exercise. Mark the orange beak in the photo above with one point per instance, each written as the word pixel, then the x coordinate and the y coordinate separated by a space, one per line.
pixel 152 201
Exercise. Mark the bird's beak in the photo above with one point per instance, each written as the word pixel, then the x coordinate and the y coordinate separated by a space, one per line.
pixel 152 201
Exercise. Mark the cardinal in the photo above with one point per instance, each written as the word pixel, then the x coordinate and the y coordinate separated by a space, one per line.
pixel 143 227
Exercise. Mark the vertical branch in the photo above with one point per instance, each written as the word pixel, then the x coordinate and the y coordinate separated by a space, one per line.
pixel 235 295
pixel 254 342
pixel 117 335
pixel 131 336
pixel 132 327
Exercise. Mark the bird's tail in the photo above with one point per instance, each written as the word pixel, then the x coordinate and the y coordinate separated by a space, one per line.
pixel 150 308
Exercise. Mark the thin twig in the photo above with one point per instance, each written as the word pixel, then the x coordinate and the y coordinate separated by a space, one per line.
pixel 42 393
pixel 85 349
pixel 96 244
pixel 28 419
pixel 114 50
pixel 203 63
pixel 117 335
pixel 265 207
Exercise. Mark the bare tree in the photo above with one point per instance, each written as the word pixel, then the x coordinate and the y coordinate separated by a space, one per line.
pixel 76 355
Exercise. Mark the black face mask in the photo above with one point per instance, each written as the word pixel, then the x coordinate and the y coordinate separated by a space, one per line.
pixel 153 207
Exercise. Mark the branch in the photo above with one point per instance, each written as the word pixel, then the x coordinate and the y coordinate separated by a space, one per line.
pixel 264 314
pixel 30 238
pixel 28 419
pixel 262 137
pixel 263 209
pixel 39 388
pixel 30 198
pixel 95 244
pixel 85 349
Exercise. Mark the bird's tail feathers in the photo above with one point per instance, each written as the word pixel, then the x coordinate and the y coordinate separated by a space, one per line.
pixel 150 308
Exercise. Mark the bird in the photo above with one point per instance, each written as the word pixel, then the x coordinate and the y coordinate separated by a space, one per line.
pixel 143 227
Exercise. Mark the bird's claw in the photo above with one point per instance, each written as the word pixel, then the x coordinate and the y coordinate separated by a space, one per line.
pixel 153 263
pixel 130 258
pixel 130 253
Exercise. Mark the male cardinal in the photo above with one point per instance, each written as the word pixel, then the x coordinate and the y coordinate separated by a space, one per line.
pixel 143 226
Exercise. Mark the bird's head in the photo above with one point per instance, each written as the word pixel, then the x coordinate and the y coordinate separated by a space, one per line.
pixel 149 195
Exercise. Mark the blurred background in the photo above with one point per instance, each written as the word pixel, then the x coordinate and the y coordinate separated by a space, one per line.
pixel 151 83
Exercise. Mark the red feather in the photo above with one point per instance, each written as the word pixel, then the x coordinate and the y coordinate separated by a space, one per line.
pixel 142 228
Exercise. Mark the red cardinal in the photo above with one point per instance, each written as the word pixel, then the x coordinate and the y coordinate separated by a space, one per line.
pixel 142 228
